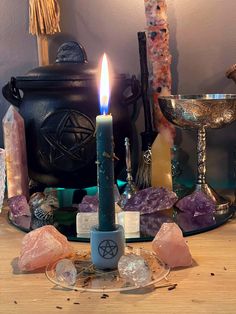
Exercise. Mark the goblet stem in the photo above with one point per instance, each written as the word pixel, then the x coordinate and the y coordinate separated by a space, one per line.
pixel 201 155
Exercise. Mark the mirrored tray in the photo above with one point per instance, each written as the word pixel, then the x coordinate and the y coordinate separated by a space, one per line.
pixel 94 280
pixel 65 219
pixel 149 224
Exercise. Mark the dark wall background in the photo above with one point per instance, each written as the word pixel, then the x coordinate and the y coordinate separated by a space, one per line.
pixel 203 46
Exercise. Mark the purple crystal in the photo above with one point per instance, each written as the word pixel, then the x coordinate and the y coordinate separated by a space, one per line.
pixel 22 221
pixel 189 223
pixel 197 203
pixel 151 200
pixel 150 224
pixel 18 206
pixel 89 204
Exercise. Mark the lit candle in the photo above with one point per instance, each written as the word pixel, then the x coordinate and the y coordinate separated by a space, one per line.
pixel 105 163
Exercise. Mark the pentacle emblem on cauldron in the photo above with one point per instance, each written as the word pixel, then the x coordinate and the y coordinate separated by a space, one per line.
pixel 67 140
pixel 107 249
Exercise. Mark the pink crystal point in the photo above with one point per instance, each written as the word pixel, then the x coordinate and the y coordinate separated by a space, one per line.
pixel 15 149
pixel 170 246
pixel 43 246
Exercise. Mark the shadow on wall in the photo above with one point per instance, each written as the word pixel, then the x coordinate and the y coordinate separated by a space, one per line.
pixel 173 48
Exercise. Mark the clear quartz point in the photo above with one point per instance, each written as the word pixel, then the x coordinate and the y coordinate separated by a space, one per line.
pixel 134 268
pixel 66 272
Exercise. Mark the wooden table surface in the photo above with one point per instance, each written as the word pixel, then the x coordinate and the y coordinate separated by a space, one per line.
pixel 207 287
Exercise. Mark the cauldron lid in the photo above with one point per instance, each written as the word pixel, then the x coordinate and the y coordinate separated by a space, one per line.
pixel 61 72
pixel 71 64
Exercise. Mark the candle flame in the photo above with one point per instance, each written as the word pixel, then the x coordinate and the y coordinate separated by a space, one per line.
pixel 104 86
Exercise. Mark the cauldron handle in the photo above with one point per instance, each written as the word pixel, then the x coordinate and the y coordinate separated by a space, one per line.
pixel 134 84
pixel 12 93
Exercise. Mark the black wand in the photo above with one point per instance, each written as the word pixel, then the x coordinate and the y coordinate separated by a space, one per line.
pixel 143 177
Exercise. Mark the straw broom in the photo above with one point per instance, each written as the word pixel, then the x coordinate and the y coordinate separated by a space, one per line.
pixel 44 18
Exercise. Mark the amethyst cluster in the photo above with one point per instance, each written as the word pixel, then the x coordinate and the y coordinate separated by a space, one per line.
pixel 151 200
pixel 196 211
pixel 18 206
pixel 89 204
pixel 196 204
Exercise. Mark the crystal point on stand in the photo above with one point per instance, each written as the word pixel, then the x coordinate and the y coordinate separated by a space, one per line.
pixel 151 200
pixel 134 268
pixel 41 247
pixel 197 204
pixel 170 246
pixel 15 149
pixel 66 272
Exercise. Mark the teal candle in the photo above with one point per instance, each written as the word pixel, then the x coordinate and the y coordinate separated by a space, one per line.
pixel 105 172
pixel 105 162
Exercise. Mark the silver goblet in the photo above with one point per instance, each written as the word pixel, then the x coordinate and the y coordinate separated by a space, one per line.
pixel 201 112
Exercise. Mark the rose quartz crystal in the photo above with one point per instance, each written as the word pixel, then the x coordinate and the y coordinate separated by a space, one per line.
pixel 43 246
pixel 15 149
pixel 170 246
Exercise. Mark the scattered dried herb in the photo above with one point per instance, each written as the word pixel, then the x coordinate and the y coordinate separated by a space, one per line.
pixel 129 247
pixel 68 299
pixel 59 307
pixel 86 280
pixel 76 303
pixel 212 274
pixel 172 287
pixel 15 302
pixel 225 268
pixel 104 296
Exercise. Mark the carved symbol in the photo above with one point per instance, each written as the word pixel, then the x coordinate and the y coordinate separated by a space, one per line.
pixel 147 156
pixel 69 135
pixel 107 249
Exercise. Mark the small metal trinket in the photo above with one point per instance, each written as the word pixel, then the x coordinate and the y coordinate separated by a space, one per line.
pixel 130 188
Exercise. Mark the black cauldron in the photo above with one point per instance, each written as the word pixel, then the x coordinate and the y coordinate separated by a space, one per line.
pixel 59 104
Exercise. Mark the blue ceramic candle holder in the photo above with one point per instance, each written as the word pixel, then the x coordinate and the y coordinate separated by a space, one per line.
pixel 107 247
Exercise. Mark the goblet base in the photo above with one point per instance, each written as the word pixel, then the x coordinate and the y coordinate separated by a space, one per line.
pixel 222 205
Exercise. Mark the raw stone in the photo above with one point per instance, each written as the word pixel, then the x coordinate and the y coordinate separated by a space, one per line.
pixel 170 246
pixel 43 246
pixel 197 204
pixel 18 206
pixel 134 268
pixel 151 200
pixel 188 222
pixel 89 204
pixel 66 272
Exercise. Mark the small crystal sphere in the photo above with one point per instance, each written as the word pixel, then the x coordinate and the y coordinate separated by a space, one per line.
pixel 66 272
